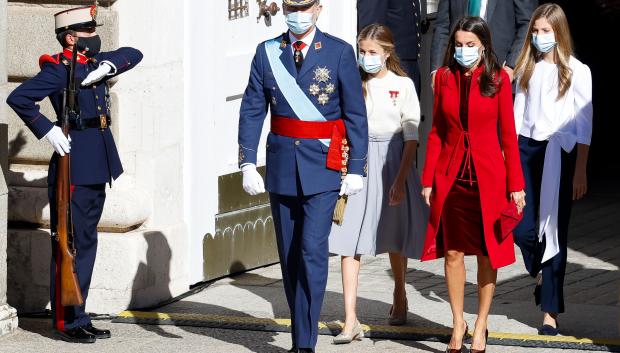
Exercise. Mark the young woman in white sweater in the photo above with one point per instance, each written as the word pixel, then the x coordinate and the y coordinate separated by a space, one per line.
pixel 389 216
pixel 553 112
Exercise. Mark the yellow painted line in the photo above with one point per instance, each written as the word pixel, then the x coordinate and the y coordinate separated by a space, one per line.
pixel 203 317
pixel 367 328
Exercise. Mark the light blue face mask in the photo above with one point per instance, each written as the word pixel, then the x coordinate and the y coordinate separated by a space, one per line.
pixel 370 63
pixel 299 22
pixel 544 42
pixel 466 56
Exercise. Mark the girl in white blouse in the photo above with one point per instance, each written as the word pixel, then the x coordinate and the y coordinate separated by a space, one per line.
pixel 553 112
pixel 389 215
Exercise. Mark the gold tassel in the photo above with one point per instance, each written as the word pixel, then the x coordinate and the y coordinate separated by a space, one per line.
pixel 338 217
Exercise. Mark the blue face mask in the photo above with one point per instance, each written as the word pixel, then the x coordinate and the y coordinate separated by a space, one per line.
pixel 299 22
pixel 544 42
pixel 370 63
pixel 466 56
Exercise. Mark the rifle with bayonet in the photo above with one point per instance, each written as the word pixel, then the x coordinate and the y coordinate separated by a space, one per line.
pixel 70 293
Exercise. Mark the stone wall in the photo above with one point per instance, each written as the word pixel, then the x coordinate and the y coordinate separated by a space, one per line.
pixel 8 315
pixel 142 240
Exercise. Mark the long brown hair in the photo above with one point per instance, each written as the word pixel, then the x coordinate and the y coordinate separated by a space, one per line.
pixel 384 37
pixel 528 57
pixel 490 78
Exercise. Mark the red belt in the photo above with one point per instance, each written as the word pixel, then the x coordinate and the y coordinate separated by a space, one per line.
pixel 337 154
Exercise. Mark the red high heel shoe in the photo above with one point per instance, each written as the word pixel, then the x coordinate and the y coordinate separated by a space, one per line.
pixel 486 337
pixel 458 350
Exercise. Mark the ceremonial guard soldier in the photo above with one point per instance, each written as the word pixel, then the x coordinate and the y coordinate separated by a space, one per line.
pixel 94 160
pixel 317 146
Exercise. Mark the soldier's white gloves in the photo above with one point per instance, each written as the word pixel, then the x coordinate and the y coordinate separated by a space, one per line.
pixel 102 71
pixel 252 180
pixel 59 142
pixel 352 184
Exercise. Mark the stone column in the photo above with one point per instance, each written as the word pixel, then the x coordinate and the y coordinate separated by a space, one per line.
pixel 8 315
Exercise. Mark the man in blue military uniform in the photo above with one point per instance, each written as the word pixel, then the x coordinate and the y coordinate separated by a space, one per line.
pixel 404 19
pixel 94 158
pixel 317 146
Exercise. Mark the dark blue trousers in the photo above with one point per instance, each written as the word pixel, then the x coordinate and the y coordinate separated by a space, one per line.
pixel 86 207
pixel 413 70
pixel 302 225
pixel 526 233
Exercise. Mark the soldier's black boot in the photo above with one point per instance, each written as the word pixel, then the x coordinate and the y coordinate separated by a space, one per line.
pixel 76 335
pixel 99 334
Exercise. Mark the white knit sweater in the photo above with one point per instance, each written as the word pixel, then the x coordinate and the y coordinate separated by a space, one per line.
pixel 393 107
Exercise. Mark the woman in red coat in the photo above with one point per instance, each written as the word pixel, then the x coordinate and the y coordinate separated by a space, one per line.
pixel 469 177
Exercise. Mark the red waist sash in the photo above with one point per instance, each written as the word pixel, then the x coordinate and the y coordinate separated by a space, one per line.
pixel 337 154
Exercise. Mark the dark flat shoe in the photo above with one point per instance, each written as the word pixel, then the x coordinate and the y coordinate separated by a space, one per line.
pixel 99 334
pixel 548 330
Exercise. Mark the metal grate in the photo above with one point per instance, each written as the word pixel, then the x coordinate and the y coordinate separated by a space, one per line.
pixel 238 9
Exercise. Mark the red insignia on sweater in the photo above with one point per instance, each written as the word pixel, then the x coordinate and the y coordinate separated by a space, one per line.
pixel 394 96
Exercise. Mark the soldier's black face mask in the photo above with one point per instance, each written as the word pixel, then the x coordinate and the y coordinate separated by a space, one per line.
pixel 89 46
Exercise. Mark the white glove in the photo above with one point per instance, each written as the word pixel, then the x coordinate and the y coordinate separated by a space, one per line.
pixel 352 184
pixel 252 180
pixel 59 142
pixel 102 71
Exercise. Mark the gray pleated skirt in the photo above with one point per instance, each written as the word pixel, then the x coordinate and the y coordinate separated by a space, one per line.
pixel 371 226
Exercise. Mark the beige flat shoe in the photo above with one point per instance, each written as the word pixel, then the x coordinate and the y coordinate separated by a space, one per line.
pixel 347 337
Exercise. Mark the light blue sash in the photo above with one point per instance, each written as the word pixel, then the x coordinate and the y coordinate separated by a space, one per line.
pixel 295 97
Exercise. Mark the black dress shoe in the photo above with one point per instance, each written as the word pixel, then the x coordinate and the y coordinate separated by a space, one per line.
pixel 548 330
pixel 305 350
pixel 99 334
pixel 76 335
pixel 292 350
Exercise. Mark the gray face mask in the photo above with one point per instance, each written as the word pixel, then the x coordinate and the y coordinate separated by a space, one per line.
pixel 371 63
pixel 299 22
pixel 544 42
pixel 467 56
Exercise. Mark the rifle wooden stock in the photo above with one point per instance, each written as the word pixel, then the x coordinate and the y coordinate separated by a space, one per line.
pixel 70 292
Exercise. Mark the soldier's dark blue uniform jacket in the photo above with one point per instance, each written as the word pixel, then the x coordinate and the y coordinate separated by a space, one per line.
pixel 292 158
pixel 94 158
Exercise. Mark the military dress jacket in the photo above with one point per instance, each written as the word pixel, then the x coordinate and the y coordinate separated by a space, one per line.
pixel 94 157
pixel 330 77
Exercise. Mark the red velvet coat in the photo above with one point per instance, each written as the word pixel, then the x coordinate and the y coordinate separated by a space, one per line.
pixel 497 176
